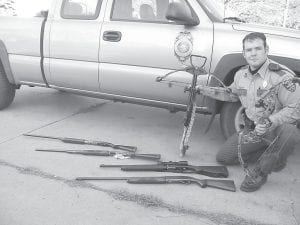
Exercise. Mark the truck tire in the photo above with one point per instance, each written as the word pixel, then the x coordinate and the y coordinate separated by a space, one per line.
pixel 231 118
pixel 7 90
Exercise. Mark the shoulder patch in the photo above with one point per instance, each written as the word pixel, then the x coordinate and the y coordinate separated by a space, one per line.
pixel 289 85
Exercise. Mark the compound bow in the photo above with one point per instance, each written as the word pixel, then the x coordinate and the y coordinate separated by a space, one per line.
pixel 271 155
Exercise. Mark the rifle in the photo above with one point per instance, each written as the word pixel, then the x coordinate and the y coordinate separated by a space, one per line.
pixel 87 142
pixel 119 155
pixel 176 167
pixel 227 185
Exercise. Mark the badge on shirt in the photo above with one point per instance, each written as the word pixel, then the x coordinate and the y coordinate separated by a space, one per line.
pixel 265 84
pixel 289 85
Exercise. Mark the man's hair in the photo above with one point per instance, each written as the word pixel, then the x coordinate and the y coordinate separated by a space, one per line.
pixel 255 35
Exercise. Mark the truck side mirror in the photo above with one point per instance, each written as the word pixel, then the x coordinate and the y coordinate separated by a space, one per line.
pixel 182 14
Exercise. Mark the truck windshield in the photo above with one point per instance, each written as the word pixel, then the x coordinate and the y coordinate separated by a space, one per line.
pixel 213 9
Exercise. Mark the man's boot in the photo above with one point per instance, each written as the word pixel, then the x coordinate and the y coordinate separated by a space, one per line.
pixel 258 176
pixel 254 180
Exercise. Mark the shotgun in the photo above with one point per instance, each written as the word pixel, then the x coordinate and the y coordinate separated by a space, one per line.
pixel 87 142
pixel 227 185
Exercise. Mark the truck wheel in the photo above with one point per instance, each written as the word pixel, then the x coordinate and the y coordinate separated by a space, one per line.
pixel 231 118
pixel 7 90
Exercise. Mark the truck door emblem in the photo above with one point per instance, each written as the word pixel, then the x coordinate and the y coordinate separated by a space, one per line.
pixel 183 46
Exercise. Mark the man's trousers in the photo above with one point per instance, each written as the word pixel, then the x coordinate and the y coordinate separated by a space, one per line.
pixel 228 154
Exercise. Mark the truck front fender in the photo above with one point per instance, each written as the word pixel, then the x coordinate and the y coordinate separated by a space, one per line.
pixel 227 65
pixel 5 63
pixel 293 64
pixel 230 63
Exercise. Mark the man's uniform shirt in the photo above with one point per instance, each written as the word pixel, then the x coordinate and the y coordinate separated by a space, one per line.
pixel 281 106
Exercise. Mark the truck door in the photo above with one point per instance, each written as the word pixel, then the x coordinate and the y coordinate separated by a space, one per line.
pixel 137 45
pixel 74 45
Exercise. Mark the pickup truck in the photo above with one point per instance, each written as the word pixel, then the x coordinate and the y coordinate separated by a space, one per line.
pixel 115 49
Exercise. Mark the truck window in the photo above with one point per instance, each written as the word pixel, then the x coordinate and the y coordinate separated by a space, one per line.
pixel 81 9
pixel 142 10
pixel 213 9
pixel 28 8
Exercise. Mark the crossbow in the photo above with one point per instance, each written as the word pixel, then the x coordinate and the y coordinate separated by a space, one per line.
pixel 218 93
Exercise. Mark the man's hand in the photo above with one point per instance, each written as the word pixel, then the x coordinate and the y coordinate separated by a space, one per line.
pixel 261 129
pixel 263 126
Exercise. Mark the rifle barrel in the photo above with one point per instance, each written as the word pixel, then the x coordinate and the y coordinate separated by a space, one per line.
pixel 103 178
pixel 83 152
pixel 112 165
pixel 53 150
pixel 42 136
pixel 142 167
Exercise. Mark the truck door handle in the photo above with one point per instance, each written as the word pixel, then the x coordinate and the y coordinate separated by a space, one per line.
pixel 113 36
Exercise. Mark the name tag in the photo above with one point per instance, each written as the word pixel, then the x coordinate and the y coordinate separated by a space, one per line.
pixel 241 92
